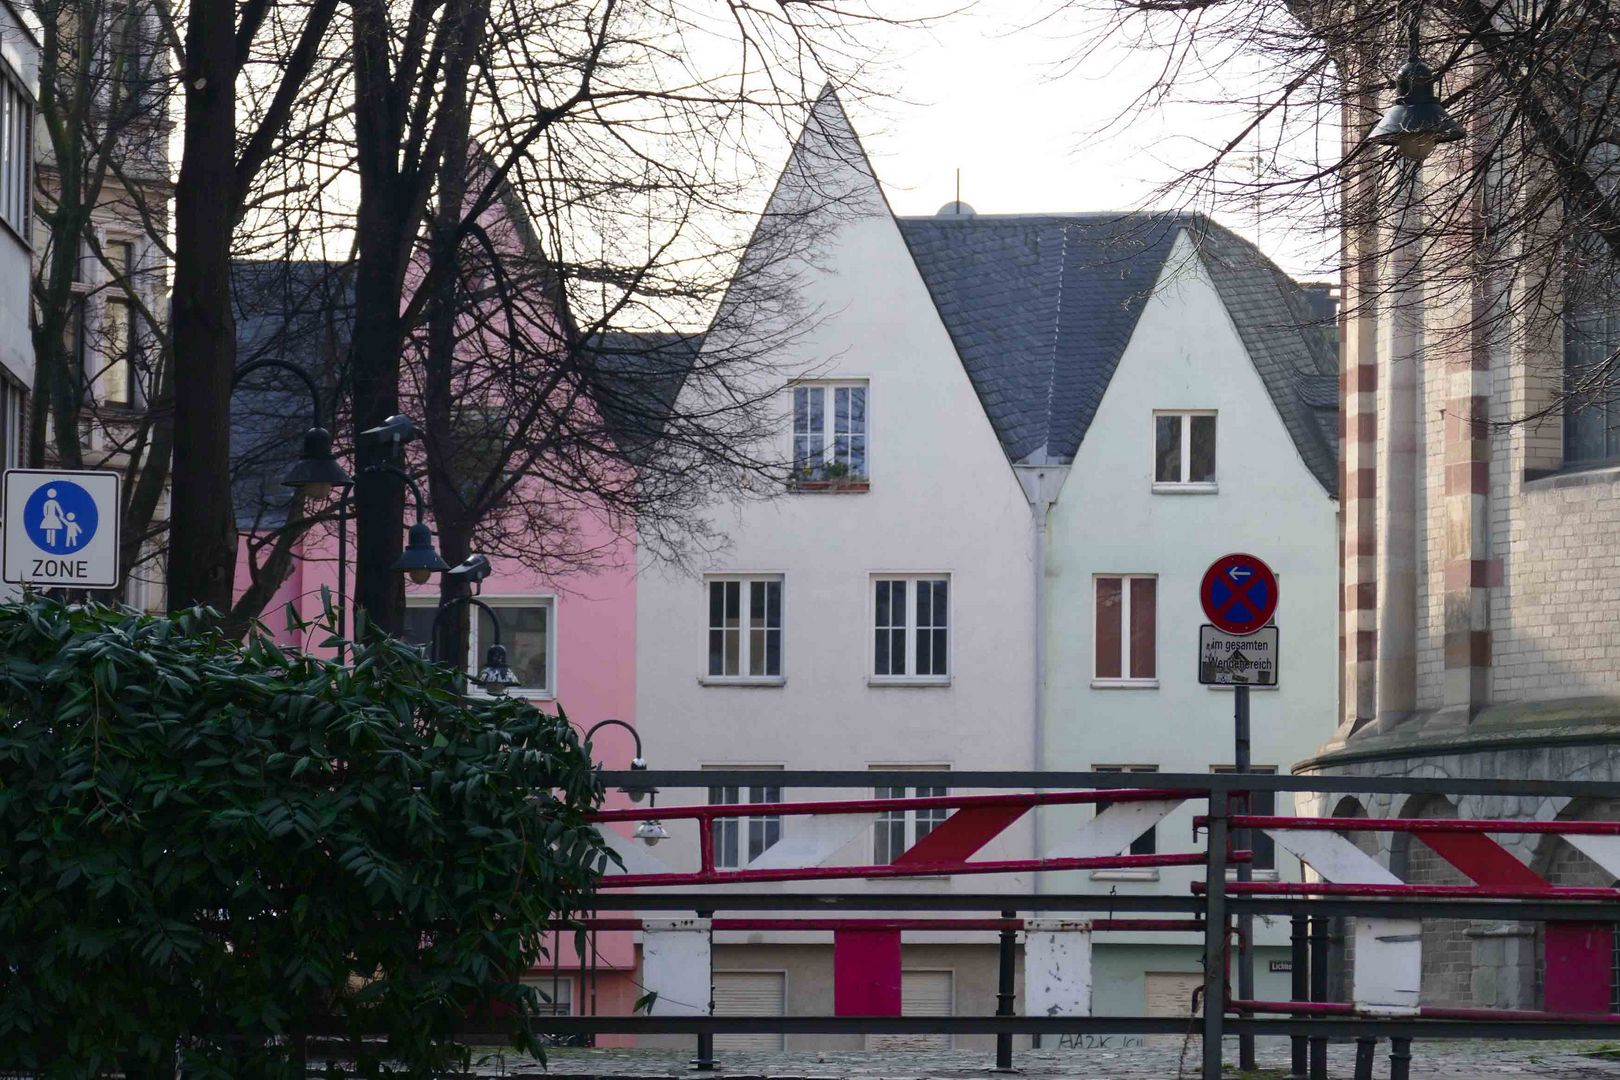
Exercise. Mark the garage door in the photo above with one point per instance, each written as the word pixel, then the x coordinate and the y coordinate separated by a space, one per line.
pixel 750 993
pixel 922 993
pixel 1170 993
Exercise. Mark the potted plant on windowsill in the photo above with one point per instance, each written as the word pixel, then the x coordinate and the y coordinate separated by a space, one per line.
pixel 832 476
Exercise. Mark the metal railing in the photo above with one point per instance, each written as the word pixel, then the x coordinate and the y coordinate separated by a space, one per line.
pixel 1212 906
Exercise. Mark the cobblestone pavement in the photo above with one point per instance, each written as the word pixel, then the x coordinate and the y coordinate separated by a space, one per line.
pixel 1432 1060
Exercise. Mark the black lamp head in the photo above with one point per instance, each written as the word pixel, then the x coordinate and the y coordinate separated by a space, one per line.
pixel 496 677
pixel 316 472
pixel 391 434
pixel 471 570
pixel 420 559
pixel 1417 122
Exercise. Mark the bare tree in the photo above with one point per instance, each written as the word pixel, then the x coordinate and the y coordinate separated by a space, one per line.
pixel 101 356
pixel 619 143
pixel 1513 231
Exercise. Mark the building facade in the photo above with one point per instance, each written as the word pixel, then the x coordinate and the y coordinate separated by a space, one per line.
pixel 1481 587
pixel 1007 433
pixel 19 94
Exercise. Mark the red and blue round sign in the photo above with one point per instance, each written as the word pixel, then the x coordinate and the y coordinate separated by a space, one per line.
pixel 1239 594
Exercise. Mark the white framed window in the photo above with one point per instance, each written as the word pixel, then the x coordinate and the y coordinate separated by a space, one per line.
pixel 115 352
pixel 1146 844
pixel 1184 451
pixel 528 631
pixel 556 997
pixel 897 831
pixel 830 434
pixel 1125 647
pixel 16 155
pixel 745 628
pixel 738 841
pixel 1263 804
pixel 911 635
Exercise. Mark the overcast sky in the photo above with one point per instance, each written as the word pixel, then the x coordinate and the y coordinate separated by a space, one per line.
pixel 980 91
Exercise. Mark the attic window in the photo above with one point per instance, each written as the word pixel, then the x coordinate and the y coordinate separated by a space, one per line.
pixel 829 436
pixel 1184 451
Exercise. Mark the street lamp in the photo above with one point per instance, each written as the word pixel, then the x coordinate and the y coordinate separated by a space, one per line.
pixel 316 472
pixel 496 676
pixel 1417 122
pixel 637 792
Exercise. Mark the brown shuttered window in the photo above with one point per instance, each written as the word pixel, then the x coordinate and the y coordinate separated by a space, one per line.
pixel 1143 661
pixel 1126 629
pixel 1108 621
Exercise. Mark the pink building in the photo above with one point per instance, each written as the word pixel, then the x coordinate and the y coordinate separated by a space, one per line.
pixel 570 639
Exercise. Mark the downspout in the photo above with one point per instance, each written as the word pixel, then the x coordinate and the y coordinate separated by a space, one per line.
pixel 1041 505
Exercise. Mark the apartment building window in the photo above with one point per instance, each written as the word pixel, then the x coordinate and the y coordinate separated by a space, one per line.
pixel 745 629
pixel 1146 844
pixel 16 154
pixel 829 434
pixel 555 995
pixel 1264 804
pixel 1126 631
pixel 527 632
pixel 1591 408
pixel 114 384
pixel 738 841
pixel 897 831
pixel 11 423
pixel 911 628
pixel 1184 451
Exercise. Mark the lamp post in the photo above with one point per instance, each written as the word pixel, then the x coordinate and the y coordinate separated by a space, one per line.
pixel 495 676
pixel 1417 122
pixel 316 472
pixel 650 831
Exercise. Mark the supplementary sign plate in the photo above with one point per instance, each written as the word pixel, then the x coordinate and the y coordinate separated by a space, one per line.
pixel 61 528
pixel 1237 660
pixel 1239 593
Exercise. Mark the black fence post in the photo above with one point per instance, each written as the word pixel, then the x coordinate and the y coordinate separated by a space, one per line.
pixel 1006 994
pixel 1215 935
pixel 1366 1047
pixel 1319 981
pixel 1301 978
pixel 1400 1058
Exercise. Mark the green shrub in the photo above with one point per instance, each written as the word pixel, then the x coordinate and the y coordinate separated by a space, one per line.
pixel 209 844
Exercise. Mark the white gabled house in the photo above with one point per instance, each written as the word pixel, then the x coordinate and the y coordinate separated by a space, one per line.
pixel 1018 437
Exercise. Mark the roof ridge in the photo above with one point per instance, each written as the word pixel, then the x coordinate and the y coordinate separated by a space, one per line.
pixel 1057 333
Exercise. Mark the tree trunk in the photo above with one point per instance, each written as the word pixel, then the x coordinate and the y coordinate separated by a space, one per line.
pixel 202 526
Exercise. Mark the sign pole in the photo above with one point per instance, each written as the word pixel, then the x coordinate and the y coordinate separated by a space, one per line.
pixel 1245 870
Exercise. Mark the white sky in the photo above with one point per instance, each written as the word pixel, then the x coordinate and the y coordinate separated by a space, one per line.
pixel 980 91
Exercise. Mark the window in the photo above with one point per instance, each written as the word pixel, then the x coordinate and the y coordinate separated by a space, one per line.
pixel 1126 634
pixel 897 831
pixel 556 994
pixel 738 841
pixel 527 625
pixel 114 383
pixel 911 629
pixel 829 435
pixel 16 155
pixel 1264 804
pixel 745 629
pixel 11 423
pixel 1184 450
pixel 1591 410
pixel 1146 844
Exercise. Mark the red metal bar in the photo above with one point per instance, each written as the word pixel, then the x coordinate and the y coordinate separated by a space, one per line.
pixel 1300 1008
pixel 706 846
pixel 889 870
pixel 878 806
pixel 1460 892
pixel 1421 825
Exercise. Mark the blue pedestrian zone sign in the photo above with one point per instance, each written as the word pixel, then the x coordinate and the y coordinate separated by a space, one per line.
pixel 61 528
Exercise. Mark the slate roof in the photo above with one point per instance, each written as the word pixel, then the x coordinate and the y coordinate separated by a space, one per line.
pixel 302 312
pixel 1041 307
